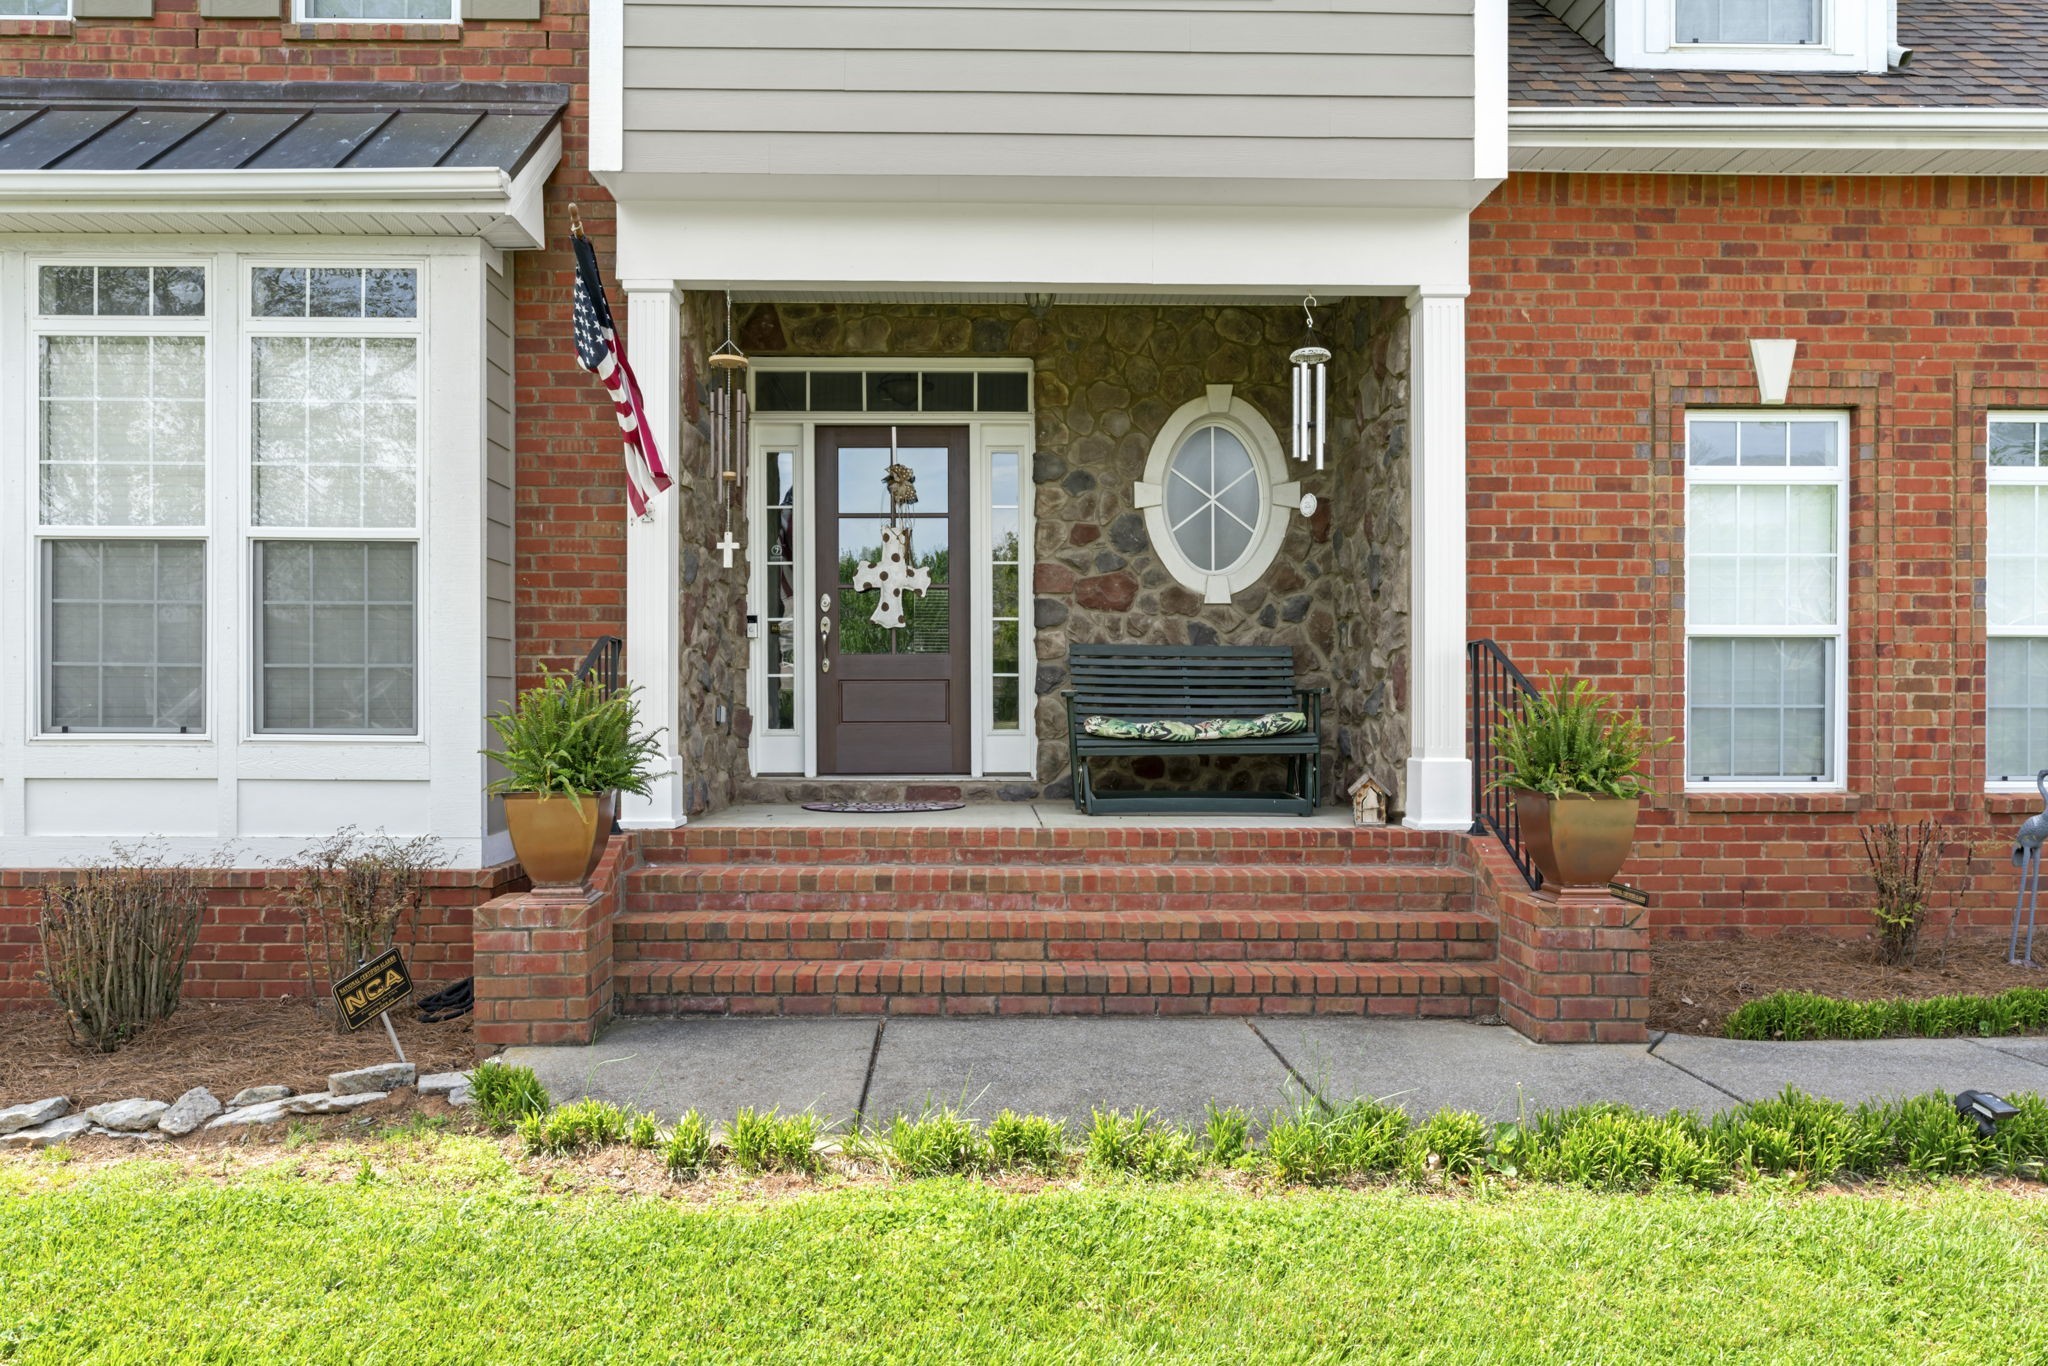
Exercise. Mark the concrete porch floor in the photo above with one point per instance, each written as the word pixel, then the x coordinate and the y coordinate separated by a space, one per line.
pixel 1043 815
pixel 1065 1067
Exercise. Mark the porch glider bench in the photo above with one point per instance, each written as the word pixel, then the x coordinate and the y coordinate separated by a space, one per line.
pixel 1190 684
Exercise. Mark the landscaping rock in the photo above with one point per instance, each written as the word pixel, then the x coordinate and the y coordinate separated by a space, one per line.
pixel 33 1115
pixel 258 1095
pixel 48 1135
pixel 189 1111
pixel 266 1112
pixel 443 1083
pixel 147 1135
pixel 128 1116
pixel 316 1103
pixel 461 1095
pixel 386 1076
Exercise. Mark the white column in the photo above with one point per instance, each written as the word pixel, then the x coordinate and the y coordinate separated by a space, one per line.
pixel 654 561
pixel 1439 771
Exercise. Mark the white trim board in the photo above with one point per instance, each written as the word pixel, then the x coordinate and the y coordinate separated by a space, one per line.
pixel 1815 140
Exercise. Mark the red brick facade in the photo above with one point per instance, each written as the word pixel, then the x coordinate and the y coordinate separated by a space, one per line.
pixel 1602 308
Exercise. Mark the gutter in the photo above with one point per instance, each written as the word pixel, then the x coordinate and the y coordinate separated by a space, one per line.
pixel 1721 128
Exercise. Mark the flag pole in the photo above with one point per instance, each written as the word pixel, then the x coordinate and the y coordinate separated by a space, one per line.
pixel 575 220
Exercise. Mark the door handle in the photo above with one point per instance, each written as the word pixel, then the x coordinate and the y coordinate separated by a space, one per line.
pixel 824 638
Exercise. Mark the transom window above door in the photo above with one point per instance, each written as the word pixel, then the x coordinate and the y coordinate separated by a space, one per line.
pixel 892 391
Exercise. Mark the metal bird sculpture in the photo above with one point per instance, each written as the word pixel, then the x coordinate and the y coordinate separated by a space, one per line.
pixel 2026 856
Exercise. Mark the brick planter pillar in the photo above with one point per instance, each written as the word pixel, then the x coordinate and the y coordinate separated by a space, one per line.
pixel 1574 968
pixel 544 959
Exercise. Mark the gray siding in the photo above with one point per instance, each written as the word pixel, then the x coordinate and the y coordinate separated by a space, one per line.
pixel 499 668
pixel 1289 89
pixel 1587 18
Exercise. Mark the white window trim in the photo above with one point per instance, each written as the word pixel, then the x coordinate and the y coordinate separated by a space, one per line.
pixel 794 753
pixel 1278 495
pixel 252 327
pixel 2035 477
pixel 1838 701
pixel 40 325
pixel 1856 35
pixel 300 16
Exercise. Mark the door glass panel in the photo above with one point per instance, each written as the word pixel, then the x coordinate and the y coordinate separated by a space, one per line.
pixel 928 619
pixel 863 478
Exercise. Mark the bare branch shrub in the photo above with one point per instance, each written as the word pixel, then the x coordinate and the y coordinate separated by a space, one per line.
pixel 1904 861
pixel 116 936
pixel 351 893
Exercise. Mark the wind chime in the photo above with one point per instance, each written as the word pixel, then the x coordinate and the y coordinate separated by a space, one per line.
pixel 1311 389
pixel 894 571
pixel 729 426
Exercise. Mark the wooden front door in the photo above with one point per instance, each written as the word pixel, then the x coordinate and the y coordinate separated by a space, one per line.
pixel 892 699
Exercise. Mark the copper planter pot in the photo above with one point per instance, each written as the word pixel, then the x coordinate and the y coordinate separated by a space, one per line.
pixel 1577 841
pixel 558 844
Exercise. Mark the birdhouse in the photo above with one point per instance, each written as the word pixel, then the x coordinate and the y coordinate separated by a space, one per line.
pixel 1369 802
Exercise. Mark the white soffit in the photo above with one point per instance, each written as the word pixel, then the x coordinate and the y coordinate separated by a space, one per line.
pixel 1779 141
pixel 480 201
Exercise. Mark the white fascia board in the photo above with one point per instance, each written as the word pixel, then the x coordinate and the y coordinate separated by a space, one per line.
pixel 1533 129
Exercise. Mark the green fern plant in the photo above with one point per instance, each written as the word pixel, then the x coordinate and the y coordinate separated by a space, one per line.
pixel 573 737
pixel 1569 741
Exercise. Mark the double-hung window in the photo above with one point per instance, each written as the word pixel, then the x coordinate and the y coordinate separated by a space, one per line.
pixel 377 11
pixel 121 442
pixel 1749 22
pixel 334 497
pixel 2016 598
pixel 1766 526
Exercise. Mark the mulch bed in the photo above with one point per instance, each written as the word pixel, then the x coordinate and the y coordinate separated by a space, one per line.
pixel 1696 984
pixel 221 1047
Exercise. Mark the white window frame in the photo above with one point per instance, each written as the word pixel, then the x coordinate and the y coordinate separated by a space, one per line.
pixel 41 325
pixel 300 16
pixel 2031 476
pixel 794 753
pixel 1279 496
pixel 1856 35
pixel 1838 691
pixel 252 327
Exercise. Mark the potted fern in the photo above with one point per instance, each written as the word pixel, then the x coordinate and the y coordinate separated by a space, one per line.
pixel 1572 764
pixel 570 748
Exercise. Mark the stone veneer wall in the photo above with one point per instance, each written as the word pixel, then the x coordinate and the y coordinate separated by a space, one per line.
pixel 1107 379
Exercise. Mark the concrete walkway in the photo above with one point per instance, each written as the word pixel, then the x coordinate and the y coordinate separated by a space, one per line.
pixel 1065 1067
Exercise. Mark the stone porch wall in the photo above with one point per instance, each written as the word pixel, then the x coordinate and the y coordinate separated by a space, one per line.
pixel 1106 380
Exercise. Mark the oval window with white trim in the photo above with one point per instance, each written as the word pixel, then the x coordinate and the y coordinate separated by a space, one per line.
pixel 1216 496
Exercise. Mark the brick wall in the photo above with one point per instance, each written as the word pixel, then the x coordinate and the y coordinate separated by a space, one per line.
pixel 1602 308
pixel 251 946
pixel 544 958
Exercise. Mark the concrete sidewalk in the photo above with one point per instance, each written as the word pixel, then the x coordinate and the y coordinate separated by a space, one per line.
pixel 1065 1067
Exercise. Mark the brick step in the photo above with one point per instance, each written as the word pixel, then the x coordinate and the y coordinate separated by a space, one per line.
pixel 1090 844
pixel 1207 936
pixel 911 987
pixel 768 887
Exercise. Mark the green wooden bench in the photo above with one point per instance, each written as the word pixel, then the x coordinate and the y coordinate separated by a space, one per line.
pixel 1191 683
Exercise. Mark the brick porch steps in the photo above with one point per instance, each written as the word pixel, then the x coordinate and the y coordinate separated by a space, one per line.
pixel 1102 844
pixel 772 886
pixel 1210 936
pixel 912 987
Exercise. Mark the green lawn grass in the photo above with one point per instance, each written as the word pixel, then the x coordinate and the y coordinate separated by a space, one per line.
pixel 443 1251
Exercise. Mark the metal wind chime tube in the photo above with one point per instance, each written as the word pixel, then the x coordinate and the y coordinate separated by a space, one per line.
pixel 729 426
pixel 1311 391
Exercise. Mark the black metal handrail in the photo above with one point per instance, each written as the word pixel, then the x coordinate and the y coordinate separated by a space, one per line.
pixel 602 662
pixel 1498 688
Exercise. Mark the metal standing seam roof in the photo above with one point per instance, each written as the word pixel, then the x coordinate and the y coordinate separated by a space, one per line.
pixel 1970 54
pixel 295 126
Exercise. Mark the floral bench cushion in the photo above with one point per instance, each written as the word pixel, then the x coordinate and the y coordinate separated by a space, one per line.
pixel 1216 728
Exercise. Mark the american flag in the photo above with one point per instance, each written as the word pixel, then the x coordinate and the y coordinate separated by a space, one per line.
pixel 598 351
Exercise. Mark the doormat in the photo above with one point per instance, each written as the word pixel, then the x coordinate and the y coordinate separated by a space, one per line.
pixel 880 808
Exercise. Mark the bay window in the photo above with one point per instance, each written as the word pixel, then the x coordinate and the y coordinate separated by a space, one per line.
pixel 2016 598
pixel 1766 523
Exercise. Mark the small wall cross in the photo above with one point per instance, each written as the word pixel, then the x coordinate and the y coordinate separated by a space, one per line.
pixel 727 547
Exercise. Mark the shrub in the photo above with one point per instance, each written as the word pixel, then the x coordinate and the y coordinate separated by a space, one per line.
pixel 936 1143
pixel 687 1149
pixel 572 737
pixel 1138 1145
pixel 1226 1135
pixel 642 1131
pixel 1450 1143
pixel 351 892
pixel 1032 1141
pixel 1800 1015
pixel 574 1127
pixel 115 940
pixel 1563 742
pixel 1904 860
pixel 771 1142
pixel 505 1095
